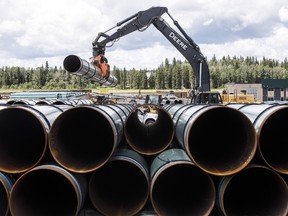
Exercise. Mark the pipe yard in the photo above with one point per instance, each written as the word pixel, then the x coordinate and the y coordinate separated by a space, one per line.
pixel 86 158
pixel 188 152
pixel 79 153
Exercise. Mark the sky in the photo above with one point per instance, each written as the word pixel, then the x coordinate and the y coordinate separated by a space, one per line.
pixel 35 31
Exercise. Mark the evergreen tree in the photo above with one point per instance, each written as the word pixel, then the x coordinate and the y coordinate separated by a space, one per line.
pixel 151 80
pixel 185 77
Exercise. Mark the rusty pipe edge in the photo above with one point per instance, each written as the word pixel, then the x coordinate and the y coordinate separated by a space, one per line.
pixel 178 187
pixel 75 65
pixel 48 189
pixel 149 139
pixel 24 136
pixel 255 190
pixel 84 137
pixel 219 139
pixel 6 184
pixel 121 186
pixel 271 128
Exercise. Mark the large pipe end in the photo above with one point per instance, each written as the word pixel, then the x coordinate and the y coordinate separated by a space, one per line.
pixel 121 186
pixel 256 190
pixel 220 140
pixel 146 133
pixel 72 63
pixel 83 138
pixel 47 190
pixel 23 139
pixel 178 187
pixel 272 141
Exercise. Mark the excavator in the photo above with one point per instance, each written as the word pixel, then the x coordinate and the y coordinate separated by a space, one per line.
pixel 140 21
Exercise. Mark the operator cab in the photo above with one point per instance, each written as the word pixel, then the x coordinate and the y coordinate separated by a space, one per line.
pixel 206 98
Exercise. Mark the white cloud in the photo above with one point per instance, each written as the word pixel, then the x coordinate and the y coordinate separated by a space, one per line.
pixel 273 47
pixel 11 26
pixel 208 22
pixel 60 26
pixel 283 14
pixel 146 58
pixel 35 31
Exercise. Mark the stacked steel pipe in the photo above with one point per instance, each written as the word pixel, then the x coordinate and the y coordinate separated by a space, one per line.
pixel 92 159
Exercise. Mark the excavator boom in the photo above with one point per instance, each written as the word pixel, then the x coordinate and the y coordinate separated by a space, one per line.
pixel 183 43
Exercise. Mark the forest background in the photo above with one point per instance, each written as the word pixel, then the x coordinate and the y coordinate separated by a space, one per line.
pixel 169 75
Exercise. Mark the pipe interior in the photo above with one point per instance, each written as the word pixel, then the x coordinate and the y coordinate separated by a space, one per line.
pixel 72 63
pixel 221 141
pixel 119 188
pixel 45 193
pixel 182 189
pixel 82 139
pixel 149 138
pixel 256 191
pixel 22 140
pixel 273 140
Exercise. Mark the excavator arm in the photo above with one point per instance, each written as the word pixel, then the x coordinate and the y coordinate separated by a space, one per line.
pixel 139 21
pixel 183 43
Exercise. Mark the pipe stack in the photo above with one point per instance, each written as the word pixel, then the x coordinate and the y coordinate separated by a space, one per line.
pixel 88 159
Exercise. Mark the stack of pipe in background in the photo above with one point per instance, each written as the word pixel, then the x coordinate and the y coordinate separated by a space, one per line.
pixel 101 160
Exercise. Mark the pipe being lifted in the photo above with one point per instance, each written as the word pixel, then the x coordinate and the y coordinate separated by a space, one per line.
pixel 218 139
pixel 75 65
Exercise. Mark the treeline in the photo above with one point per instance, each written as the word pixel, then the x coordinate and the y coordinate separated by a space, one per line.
pixel 169 75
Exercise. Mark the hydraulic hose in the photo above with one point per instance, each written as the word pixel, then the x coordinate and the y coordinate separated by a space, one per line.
pixel 152 138
pixel 75 65
pixel 220 140
pixel 24 135
pixel 121 186
pixel 255 190
pixel 48 190
pixel 178 187
pixel 84 137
